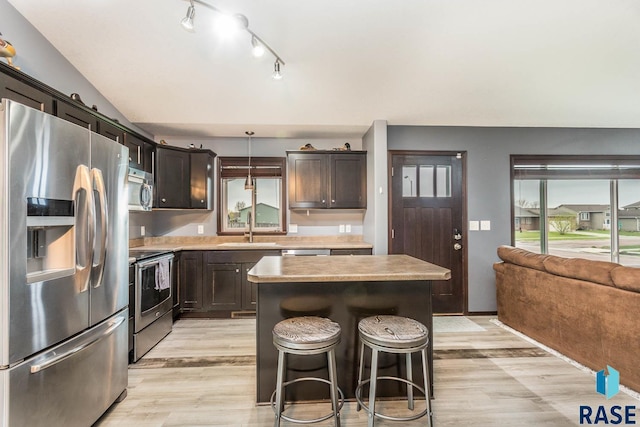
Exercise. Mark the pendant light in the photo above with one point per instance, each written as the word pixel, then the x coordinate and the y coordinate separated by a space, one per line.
pixel 248 183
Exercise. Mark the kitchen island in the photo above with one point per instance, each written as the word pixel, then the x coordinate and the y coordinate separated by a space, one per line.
pixel 344 289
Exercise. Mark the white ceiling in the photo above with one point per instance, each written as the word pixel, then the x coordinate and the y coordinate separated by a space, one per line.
pixel 572 63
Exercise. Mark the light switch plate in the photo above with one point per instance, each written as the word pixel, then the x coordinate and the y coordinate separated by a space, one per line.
pixel 200 229
pixel 341 228
pixel 347 228
pixel 143 230
pixel 474 225
pixel 485 225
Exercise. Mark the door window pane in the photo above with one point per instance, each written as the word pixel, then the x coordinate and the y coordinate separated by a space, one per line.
pixel 443 181
pixel 426 181
pixel 409 181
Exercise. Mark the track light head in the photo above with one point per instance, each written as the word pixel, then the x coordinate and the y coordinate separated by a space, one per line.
pixel 277 75
pixel 187 21
pixel 257 48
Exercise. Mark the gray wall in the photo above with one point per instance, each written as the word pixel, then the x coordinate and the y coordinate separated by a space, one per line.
pixel 376 218
pixel 488 176
pixel 39 59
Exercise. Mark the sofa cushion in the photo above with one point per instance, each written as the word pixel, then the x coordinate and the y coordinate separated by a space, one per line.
pixel 582 269
pixel 626 278
pixel 521 257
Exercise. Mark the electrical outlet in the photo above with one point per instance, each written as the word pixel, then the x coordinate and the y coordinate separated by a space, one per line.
pixel 143 230
pixel 341 228
pixel 200 229
pixel 293 228
pixel 485 225
pixel 347 228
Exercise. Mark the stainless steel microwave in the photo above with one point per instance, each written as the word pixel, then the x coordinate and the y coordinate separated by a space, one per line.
pixel 140 190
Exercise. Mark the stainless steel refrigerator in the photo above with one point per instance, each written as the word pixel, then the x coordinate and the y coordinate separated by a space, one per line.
pixel 63 270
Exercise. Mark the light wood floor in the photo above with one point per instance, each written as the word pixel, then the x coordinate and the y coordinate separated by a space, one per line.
pixel 203 374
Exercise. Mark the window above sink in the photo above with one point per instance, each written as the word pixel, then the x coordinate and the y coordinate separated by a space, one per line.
pixel 269 176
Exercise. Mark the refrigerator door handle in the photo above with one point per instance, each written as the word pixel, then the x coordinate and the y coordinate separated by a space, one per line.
pixel 84 226
pixel 101 233
pixel 57 358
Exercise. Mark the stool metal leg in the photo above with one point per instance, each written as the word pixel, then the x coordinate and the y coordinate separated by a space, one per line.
pixel 372 386
pixel 360 371
pixel 427 385
pixel 279 387
pixel 410 379
pixel 331 358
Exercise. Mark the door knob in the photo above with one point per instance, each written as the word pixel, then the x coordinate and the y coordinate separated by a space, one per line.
pixel 457 246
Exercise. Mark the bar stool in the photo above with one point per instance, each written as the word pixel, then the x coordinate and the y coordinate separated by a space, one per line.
pixel 305 336
pixel 392 334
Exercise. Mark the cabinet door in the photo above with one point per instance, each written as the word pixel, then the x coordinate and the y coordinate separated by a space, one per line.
pixel 222 286
pixel 249 289
pixel 191 276
pixel 140 152
pixel 172 178
pixel 18 91
pixel 110 131
pixel 201 181
pixel 74 114
pixel 307 180
pixel 348 181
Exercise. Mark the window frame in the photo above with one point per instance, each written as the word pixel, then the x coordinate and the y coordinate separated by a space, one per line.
pixel 579 167
pixel 261 167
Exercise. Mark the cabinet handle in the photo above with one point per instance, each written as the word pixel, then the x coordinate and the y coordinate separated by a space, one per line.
pixel 164 200
pixel 139 155
pixel 189 302
pixel 237 270
pixel 153 162
pixel 201 201
pixel 333 201
pixel 323 201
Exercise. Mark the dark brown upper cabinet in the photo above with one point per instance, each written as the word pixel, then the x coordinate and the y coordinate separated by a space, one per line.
pixel 110 131
pixel 141 152
pixel 16 90
pixel 184 178
pixel 74 114
pixel 327 179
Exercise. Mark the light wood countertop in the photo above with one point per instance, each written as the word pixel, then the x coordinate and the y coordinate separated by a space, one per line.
pixel 344 268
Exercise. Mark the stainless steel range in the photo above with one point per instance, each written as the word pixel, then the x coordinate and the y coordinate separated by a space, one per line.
pixel 153 299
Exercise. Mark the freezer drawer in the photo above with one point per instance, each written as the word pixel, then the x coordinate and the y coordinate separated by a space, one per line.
pixel 72 384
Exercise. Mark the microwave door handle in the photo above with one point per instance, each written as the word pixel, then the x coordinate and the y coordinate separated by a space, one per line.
pixel 84 227
pixel 101 229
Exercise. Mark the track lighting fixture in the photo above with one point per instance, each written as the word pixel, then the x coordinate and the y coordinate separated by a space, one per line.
pixel 187 21
pixel 258 46
pixel 277 75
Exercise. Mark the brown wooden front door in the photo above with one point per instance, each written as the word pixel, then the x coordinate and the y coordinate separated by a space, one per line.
pixel 427 219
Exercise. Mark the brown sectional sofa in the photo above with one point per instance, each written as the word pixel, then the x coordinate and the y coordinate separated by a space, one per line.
pixel 587 310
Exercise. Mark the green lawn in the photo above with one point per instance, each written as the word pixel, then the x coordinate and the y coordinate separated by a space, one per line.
pixel 554 235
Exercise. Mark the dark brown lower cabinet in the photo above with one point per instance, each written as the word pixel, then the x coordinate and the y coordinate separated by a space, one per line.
pixel 222 285
pixel 215 282
pixel 191 277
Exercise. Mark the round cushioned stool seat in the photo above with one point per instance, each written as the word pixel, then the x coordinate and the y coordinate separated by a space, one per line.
pixel 393 331
pixel 306 333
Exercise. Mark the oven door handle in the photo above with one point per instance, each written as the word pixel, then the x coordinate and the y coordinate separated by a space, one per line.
pixel 154 261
